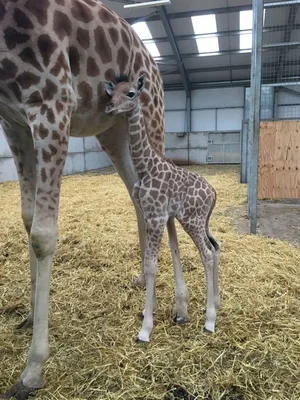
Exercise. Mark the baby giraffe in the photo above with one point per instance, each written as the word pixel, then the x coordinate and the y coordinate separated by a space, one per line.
pixel 163 192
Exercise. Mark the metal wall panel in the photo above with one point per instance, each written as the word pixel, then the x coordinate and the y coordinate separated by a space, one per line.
pixel 214 98
pixel 96 160
pixel 4 148
pixel 223 147
pixel 74 163
pixel 197 156
pixel 198 140
pixel 175 100
pixel 229 119
pixel 91 144
pixel 203 120
pixel 172 141
pixel 75 145
pixel 179 156
pixel 175 121
pixel 8 170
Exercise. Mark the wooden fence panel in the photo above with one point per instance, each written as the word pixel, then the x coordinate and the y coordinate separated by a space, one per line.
pixel 279 160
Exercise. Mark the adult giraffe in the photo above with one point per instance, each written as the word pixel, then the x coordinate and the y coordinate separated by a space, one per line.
pixel 54 57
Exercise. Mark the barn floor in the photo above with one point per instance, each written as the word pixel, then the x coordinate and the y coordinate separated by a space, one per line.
pixel 254 353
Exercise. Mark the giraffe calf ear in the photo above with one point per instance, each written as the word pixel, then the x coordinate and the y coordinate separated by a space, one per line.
pixel 140 83
pixel 109 87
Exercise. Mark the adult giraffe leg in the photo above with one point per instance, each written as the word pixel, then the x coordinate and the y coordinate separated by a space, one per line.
pixel 51 146
pixel 115 143
pixel 21 145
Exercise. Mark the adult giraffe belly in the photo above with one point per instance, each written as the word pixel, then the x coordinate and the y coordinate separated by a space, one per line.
pixel 90 123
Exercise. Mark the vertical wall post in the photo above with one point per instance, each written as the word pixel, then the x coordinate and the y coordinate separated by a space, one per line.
pixel 188 124
pixel 244 148
pixel 254 117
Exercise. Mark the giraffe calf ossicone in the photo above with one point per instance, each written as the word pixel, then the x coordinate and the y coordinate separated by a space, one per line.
pixel 164 192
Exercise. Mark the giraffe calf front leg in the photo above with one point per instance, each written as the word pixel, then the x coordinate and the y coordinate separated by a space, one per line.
pixel 153 240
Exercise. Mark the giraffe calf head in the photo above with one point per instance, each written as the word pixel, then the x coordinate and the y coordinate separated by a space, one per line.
pixel 124 96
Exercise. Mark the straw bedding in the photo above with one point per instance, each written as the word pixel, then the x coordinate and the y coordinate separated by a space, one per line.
pixel 254 354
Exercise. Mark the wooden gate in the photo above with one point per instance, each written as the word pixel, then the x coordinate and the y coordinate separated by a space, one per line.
pixel 279 160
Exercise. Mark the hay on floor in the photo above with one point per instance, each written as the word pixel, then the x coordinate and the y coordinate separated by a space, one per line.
pixel 254 354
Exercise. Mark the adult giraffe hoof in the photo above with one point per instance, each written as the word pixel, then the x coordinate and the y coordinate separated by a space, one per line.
pixel 19 392
pixel 180 320
pixel 26 324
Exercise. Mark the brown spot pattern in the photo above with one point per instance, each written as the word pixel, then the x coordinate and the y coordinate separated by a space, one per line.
pixel 86 93
pixel 8 70
pixel 81 11
pixel 35 97
pixel 83 38
pixel 28 55
pixel 74 60
pixel 2 11
pixel 102 46
pixel 42 131
pixel 27 79
pixel 114 35
pixel 122 59
pixel 125 38
pixel 22 20
pixel 51 116
pixel 62 25
pixel 39 9
pixel 46 155
pixel 43 175
pixel 46 46
pixel 92 68
pixel 13 37
pixel 59 107
pixel 49 90
pixel 107 16
pixel 138 63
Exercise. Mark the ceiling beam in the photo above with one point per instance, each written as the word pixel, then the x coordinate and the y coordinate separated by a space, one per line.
pixel 174 71
pixel 170 34
pixel 188 14
pixel 236 32
pixel 170 57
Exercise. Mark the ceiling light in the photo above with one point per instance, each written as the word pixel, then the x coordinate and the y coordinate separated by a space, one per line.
pixel 148 4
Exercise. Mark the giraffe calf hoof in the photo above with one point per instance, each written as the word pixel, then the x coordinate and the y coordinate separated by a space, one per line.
pixel 140 341
pixel 139 282
pixel 180 320
pixel 26 324
pixel 19 392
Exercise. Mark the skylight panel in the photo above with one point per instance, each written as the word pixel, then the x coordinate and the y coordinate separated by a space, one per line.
pixel 246 21
pixel 144 33
pixel 206 24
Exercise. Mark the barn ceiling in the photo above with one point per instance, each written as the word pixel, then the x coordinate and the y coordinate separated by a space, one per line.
pixel 214 50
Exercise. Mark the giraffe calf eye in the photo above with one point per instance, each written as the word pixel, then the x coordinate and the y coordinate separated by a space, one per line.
pixel 130 94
